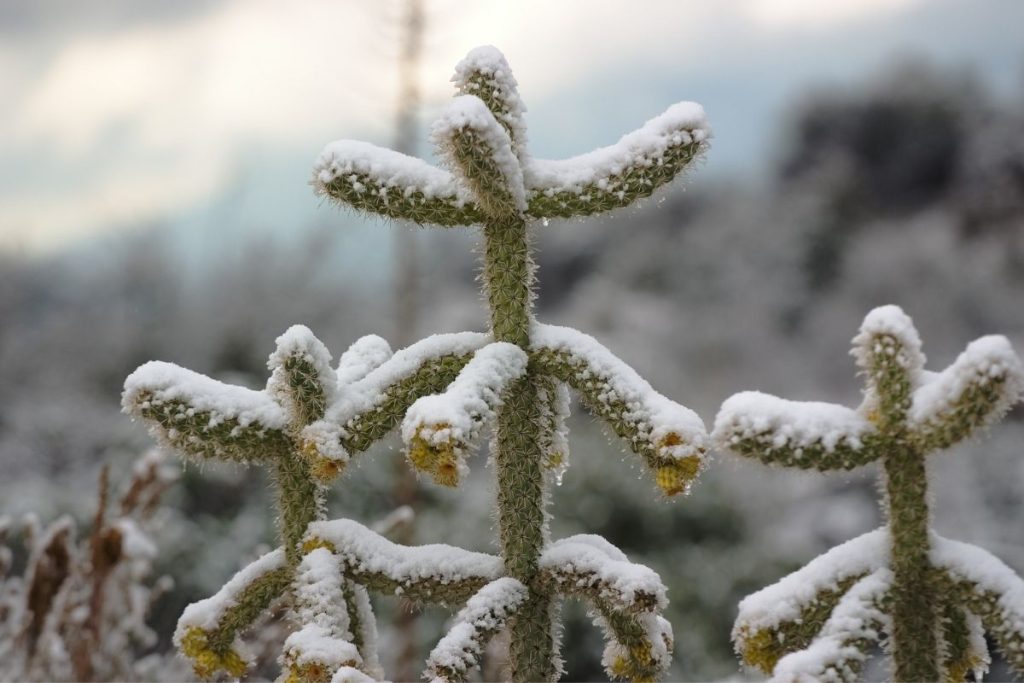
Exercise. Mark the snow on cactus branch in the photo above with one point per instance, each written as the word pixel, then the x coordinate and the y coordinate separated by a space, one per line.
pixel 484 615
pixel 485 73
pixel 438 429
pixel 815 623
pixel 670 437
pixel 364 356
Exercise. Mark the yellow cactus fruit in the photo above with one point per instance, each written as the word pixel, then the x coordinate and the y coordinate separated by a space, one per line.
pixel 674 477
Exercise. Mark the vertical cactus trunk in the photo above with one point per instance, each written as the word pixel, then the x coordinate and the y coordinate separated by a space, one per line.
pixel 508 274
pixel 299 501
pixel 914 614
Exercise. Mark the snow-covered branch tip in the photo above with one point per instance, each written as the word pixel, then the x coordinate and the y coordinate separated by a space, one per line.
pixel 438 429
pixel 819 621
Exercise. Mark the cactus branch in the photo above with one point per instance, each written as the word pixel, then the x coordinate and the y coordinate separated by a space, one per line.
pixel 484 615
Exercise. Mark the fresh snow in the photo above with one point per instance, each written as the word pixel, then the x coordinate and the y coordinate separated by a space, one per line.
pixel 828 659
pixel 355 161
pixel 654 415
pixel 785 600
pixel 365 355
pixel 471 400
pixel 168 382
pixel 206 614
pixel 591 564
pixel 366 551
pixel 468 112
pixel 680 124
pixel 484 613
pixel 791 424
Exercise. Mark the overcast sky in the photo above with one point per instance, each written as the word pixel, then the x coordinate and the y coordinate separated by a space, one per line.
pixel 196 113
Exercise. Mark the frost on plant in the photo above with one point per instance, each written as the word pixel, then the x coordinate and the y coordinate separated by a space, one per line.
pixel 445 393
pixel 927 599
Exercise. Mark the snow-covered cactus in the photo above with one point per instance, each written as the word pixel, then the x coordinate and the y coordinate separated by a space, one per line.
pixel 927 599
pixel 444 392
pixel 516 379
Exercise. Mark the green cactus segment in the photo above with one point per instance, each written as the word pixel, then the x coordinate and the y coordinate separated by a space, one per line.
pixel 787 616
pixel 914 593
pixel 518 455
pixel 907 413
pixel 432 573
pixel 386 183
pixel 439 429
pixel 802 434
pixel 301 377
pixel 963 645
pixel 669 437
pixel 985 586
pixel 847 639
pixel 368 409
pixel 208 630
pixel 972 393
pixel 591 568
pixel 299 502
pixel 201 417
pixel 615 177
pixel 485 614
pixel 638 645
pixel 555 405
pixel 478 150
pixel 484 73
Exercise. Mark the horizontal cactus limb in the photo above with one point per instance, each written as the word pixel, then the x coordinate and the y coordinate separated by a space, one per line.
pixel 589 567
pixel 858 622
pixel 202 417
pixel 368 409
pixel 433 573
pixel 439 429
pixel 789 614
pixel 977 389
pixel 618 175
pixel 989 589
pixel 208 630
pixel 670 438
pixel 804 434
pixel 484 615
pixel 381 181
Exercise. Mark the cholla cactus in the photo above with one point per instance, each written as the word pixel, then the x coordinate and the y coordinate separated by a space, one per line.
pixel 444 392
pixel 517 380
pixel 933 598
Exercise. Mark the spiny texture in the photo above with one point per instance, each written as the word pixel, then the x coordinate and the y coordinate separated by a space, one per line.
pixel 279 428
pixel 515 380
pixel 929 596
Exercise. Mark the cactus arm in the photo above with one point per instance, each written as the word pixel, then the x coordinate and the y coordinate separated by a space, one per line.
pixel 588 567
pixel 363 626
pixel 431 573
pixel 804 434
pixel 479 151
pixel 380 181
pixel 301 380
pixel 988 588
pixel 555 405
pixel 617 176
pixel 858 622
pixel 324 643
pixel 485 73
pixel 670 438
pixel 440 428
pixel 964 650
pixel 202 417
pixel 367 410
pixel 977 389
pixel 888 351
pixel 789 614
pixel 638 646
pixel 208 630
pixel 365 355
pixel 484 615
